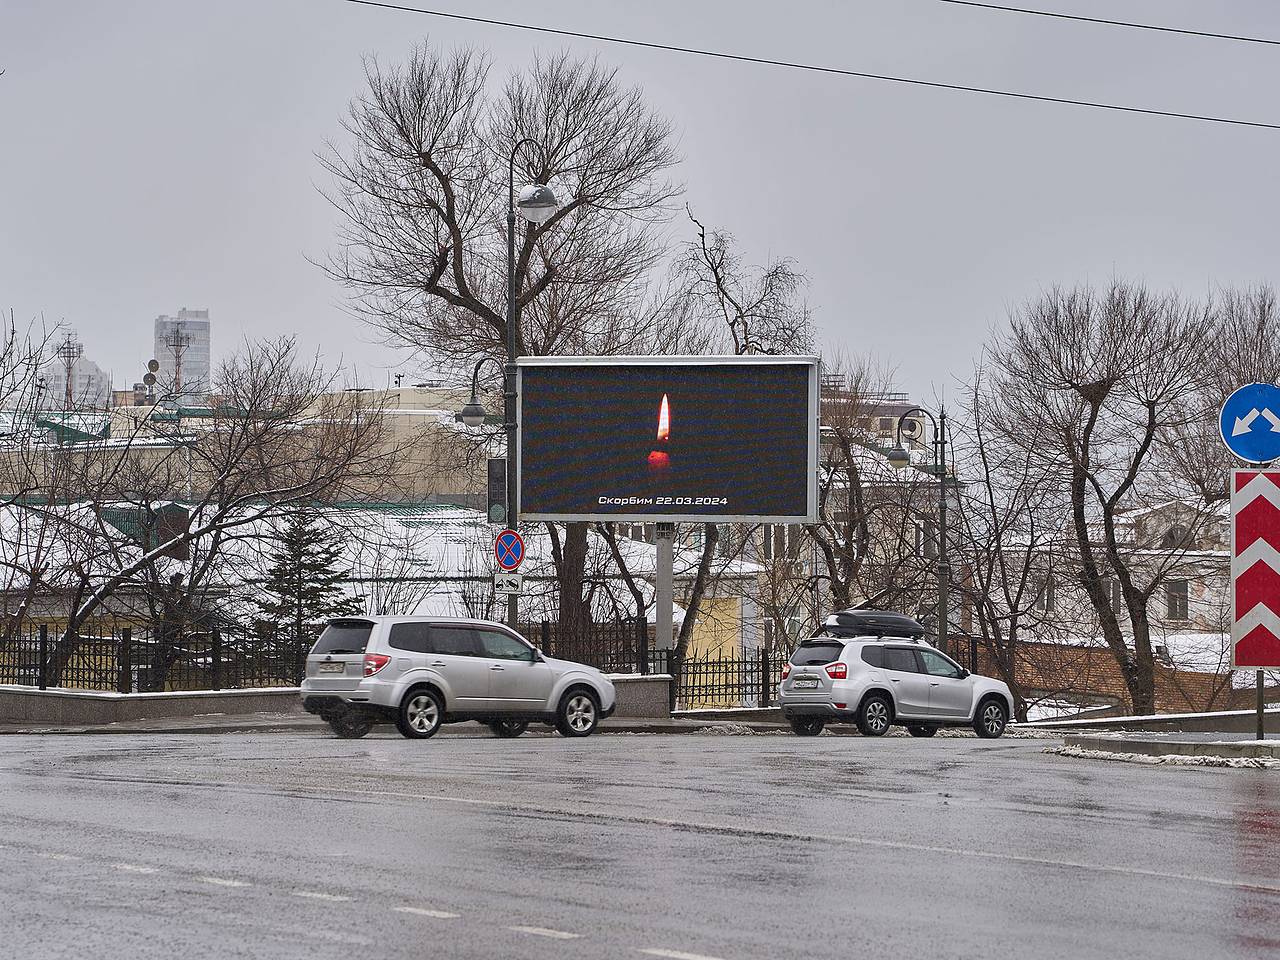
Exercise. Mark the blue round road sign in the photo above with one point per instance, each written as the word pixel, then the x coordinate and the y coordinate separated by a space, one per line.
pixel 1250 423
pixel 509 549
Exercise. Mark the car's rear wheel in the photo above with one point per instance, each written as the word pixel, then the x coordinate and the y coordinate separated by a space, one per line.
pixel 350 725
pixel 577 714
pixel 874 715
pixel 921 730
pixel 990 720
pixel 508 728
pixel 807 726
pixel 420 715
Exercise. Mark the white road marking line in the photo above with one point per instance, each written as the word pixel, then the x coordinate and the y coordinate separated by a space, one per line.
pixel 59 856
pixel 224 882
pixel 134 868
pixel 676 954
pixel 546 932
pixel 317 895
pixel 423 912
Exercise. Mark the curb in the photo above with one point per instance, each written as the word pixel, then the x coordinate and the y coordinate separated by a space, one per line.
pixel 318 727
pixel 1264 749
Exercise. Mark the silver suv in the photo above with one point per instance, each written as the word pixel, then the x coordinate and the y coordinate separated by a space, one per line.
pixel 421 672
pixel 857 670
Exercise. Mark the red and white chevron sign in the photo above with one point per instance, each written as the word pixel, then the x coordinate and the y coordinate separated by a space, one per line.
pixel 1255 568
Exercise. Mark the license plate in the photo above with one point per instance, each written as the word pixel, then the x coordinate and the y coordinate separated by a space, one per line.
pixel 805 683
pixel 332 667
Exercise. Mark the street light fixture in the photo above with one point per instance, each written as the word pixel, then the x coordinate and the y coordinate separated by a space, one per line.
pixel 473 414
pixel 900 459
pixel 537 203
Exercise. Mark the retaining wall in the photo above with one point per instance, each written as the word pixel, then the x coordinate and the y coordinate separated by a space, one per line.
pixel 638 696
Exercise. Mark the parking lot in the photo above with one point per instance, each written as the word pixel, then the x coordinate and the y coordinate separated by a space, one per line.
pixel 733 847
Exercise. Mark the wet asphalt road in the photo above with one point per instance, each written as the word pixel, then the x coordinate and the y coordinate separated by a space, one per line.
pixel 733 847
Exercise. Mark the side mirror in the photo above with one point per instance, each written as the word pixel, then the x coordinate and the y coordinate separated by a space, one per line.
pixel 964 674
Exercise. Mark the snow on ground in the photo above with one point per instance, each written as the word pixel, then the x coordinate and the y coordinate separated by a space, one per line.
pixel 1168 760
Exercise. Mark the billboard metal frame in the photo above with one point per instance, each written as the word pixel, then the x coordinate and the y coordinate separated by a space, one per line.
pixel 813 363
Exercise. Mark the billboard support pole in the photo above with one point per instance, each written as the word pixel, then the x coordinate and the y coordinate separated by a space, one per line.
pixel 1262 734
pixel 665 584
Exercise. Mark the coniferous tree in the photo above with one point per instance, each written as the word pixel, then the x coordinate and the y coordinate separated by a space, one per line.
pixel 304 579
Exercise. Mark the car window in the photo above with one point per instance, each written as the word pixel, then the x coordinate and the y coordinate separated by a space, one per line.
pixel 454 641
pixel 873 654
pixel 810 654
pixel 502 646
pixel 901 659
pixel 939 666
pixel 343 636
pixel 413 637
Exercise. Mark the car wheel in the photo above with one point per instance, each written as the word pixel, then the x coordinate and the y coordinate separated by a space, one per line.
pixel 577 714
pixel 350 725
pixel 808 726
pixel 920 730
pixel 990 720
pixel 874 715
pixel 509 728
pixel 420 715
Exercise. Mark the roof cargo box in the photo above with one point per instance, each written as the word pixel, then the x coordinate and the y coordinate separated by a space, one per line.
pixel 872 623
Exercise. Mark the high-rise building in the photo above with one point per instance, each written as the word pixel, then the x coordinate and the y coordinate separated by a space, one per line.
pixel 182 347
pixel 72 381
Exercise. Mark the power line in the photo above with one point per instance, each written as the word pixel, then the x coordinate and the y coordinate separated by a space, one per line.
pixel 814 68
pixel 1111 23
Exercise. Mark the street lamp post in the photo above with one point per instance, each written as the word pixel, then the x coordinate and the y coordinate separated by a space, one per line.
pixel 537 203
pixel 900 459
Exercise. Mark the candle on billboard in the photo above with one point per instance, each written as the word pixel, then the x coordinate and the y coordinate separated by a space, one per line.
pixel 659 458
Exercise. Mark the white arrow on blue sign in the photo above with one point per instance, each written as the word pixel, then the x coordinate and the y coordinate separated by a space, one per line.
pixel 1250 423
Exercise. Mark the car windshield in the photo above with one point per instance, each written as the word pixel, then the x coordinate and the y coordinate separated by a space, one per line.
pixel 343 636
pixel 817 651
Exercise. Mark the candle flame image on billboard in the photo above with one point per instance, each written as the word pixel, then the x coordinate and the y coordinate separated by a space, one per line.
pixel 664 437
pixel 659 458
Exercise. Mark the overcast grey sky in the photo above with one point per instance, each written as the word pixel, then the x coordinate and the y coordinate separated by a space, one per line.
pixel 160 154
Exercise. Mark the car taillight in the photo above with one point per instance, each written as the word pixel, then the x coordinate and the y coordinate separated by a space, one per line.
pixel 373 662
pixel 837 671
pixel 786 670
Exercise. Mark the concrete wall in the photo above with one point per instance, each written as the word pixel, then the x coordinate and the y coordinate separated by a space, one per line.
pixel 88 707
pixel 638 696
pixel 643 696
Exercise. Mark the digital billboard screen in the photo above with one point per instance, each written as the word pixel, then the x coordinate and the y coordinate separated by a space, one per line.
pixel 668 438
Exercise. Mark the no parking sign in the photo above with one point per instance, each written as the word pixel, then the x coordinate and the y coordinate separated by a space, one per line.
pixel 508 550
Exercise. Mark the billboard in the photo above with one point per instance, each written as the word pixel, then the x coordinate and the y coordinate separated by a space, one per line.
pixel 668 438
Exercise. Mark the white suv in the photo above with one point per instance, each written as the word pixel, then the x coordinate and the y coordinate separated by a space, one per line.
pixel 421 672
pixel 882 679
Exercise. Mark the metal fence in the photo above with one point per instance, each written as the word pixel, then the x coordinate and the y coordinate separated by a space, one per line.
pixel 622 646
pixel 626 647
pixel 720 681
pixel 142 659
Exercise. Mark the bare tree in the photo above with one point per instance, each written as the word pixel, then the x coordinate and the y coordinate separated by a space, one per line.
pixel 1011 518
pixel 1091 383
pixel 422 191
pixel 280 437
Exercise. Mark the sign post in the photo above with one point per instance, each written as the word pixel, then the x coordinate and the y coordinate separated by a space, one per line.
pixel 1250 427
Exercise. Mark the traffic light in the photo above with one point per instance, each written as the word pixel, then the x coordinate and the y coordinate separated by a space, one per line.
pixel 497 499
